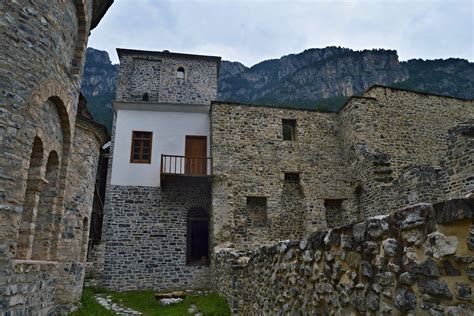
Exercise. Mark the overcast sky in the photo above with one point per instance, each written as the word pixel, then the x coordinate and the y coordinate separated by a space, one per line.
pixel 252 31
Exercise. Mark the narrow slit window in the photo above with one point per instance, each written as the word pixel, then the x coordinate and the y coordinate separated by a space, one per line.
pixel 289 129
pixel 180 73
pixel 141 147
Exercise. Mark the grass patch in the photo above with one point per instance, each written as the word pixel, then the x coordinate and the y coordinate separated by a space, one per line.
pixel 211 304
pixel 144 301
pixel 89 306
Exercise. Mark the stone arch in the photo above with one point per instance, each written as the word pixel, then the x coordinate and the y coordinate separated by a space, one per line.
pixel 197 236
pixel 82 35
pixel 44 241
pixel 61 97
pixel 84 239
pixel 64 104
pixel 203 203
pixel 34 184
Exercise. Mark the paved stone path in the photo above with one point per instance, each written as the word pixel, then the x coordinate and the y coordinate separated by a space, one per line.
pixel 192 309
pixel 107 302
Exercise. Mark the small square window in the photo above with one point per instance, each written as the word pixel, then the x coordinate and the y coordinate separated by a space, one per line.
pixel 292 177
pixel 257 208
pixel 141 147
pixel 289 129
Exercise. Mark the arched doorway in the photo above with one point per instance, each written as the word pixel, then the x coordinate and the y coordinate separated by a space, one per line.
pixel 197 237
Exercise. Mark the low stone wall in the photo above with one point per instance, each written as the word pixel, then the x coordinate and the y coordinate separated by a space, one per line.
pixel 418 260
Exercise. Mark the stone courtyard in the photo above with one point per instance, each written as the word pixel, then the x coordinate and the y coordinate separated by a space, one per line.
pixel 368 210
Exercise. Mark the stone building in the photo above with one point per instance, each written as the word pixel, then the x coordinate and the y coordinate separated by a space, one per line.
pixel 156 198
pixel 384 150
pixel 189 174
pixel 49 151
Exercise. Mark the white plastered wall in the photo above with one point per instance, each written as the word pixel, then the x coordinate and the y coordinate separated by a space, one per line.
pixel 169 133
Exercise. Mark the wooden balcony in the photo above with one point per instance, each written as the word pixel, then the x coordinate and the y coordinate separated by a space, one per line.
pixel 185 170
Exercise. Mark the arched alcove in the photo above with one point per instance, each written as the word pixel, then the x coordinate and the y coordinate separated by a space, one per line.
pixel 197 237
pixel 44 241
pixel 34 185
pixel 48 113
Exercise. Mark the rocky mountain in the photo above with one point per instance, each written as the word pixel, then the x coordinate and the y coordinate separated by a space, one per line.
pixel 315 78
pixel 98 85
pixel 310 76
pixel 451 76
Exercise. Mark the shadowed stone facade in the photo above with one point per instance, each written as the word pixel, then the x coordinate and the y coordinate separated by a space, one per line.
pixel 42 54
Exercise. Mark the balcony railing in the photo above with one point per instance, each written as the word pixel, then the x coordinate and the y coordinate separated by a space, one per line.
pixel 185 165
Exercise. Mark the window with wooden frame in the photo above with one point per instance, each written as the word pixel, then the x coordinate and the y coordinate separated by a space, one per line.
pixel 141 147
pixel 289 129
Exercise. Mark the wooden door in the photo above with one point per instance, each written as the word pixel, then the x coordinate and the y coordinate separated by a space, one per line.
pixel 195 152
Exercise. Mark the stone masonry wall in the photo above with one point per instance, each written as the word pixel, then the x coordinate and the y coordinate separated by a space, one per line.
pixel 78 208
pixel 42 46
pixel 459 165
pixel 250 159
pixel 154 73
pixel 145 238
pixel 412 127
pixel 32 289
pixel 95 261
pixel 391 134
pixel 418 260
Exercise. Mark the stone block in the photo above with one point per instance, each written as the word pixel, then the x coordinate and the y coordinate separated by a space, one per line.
pixel 434 288
pixel 438 245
